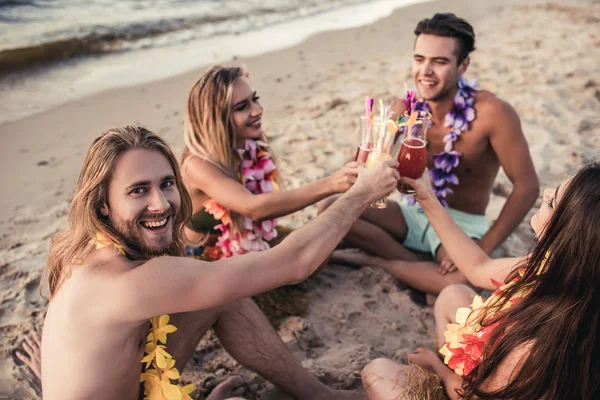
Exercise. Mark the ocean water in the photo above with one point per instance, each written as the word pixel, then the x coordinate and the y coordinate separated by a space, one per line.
pixel 54 51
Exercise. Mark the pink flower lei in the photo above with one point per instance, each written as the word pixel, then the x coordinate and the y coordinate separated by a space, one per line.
pixel 258 176
pixel 459 119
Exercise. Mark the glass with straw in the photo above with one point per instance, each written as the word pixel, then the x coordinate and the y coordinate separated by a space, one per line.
pixel 383 132
pixel 367 137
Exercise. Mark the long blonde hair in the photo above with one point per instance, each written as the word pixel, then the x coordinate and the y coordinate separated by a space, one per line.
pixel 209 130
pixel 71 245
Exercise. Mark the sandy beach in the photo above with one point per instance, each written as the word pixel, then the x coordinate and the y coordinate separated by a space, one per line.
pixel 543 57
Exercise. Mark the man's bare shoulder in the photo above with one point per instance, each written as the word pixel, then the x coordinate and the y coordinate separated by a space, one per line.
pixel 108 261
pixel 487 104
pixel 98 267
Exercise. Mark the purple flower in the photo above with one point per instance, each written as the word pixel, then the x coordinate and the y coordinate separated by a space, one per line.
pixel 452 136
pixel 441 177
pixel 469 114
pixel 446 161
pixel 442 191
pixel 421 105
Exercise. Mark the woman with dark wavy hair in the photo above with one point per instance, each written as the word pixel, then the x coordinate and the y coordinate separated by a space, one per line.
pixel 536 337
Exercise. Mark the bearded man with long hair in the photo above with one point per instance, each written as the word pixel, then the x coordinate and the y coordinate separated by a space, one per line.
pixel 125 307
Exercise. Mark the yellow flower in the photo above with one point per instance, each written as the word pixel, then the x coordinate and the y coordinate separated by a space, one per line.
pixel 101 240
pixel 185 391
pixel 169 371
pixel 160 329
pixel 159 387
pixel 156 352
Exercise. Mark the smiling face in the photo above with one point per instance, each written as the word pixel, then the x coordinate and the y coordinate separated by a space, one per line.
pixel 550 200
pixel 435 70
pixel 246 112
pixel 143 200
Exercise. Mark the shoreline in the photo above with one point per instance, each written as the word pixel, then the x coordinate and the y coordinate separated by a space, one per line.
pixel 97 73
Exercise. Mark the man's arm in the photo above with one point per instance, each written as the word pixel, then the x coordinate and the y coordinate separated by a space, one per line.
pixel 172 284
pixel 509 144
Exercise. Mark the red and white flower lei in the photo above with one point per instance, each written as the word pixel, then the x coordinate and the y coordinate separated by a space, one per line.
pixel 258 176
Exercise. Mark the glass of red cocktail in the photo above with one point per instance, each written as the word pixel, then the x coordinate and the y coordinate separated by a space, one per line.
pixel 412 157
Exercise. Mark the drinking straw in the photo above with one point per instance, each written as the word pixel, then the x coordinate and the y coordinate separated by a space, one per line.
pixel 369 115
pixel 381 126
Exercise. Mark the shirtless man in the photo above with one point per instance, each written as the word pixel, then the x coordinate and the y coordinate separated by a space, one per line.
pixel 113 269
pixel 397 236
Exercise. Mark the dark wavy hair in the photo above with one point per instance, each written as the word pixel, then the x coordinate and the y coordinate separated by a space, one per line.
pixel 449 25
pixel 560 316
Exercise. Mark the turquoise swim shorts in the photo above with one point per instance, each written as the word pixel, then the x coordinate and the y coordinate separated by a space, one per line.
pixel 421 236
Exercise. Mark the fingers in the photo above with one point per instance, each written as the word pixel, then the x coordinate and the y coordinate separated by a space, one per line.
pixel 28 349
pixel 446 266
pixel 37 338
pixel 32 341
pixel 23 358
pixel 452 268
pixel 443 268
pixel 352 164
pixel 407 181
pixel 391 163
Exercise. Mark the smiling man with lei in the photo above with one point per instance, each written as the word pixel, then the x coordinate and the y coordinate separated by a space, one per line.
pixel 473 133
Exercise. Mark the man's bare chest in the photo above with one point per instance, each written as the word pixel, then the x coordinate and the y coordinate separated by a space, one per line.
pixel 472 144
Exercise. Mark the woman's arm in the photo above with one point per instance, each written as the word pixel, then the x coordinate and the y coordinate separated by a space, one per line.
pixel 231 194
pixel 470 259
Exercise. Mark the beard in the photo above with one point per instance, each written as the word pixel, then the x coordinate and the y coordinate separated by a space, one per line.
pixel 131 232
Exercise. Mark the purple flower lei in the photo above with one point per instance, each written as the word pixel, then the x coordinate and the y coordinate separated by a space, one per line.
pixel 459 119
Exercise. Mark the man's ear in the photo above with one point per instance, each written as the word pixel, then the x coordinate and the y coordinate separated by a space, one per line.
pixel 104 210
pixel 462 68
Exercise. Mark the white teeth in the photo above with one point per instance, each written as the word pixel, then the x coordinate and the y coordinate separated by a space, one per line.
pixel 155 224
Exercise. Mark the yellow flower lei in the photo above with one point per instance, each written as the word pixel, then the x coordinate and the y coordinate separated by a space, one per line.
pixel 160 366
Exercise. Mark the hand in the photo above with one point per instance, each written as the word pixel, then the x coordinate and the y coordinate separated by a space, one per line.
pixel 422 186
pixel 377 182
pixel 31 354
pixel 446 263
pixel 425 359
pixel 344 178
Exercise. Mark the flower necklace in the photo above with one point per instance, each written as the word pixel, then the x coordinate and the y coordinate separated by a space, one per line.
pixel 466 339
pixel 459 119
pixel 258 176
pixel 160 369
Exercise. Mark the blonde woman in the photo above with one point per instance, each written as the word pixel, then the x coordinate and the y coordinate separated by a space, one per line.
pixel 231 174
